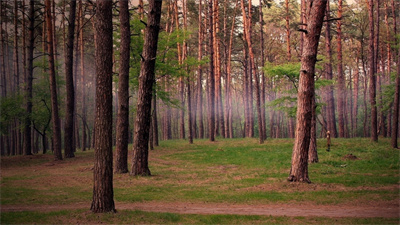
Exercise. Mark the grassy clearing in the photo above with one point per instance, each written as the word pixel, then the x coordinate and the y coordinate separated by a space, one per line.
pixel 226 171
pixel 140 217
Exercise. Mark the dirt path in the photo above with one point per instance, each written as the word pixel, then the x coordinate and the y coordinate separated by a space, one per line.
pixel 389 211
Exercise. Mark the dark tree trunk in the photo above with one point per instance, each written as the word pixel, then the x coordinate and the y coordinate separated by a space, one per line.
pixel 396 104
pixel 355 97
pixel 199 75
pixel 329 97
pixel 146 81
pixel 53 85
pixel 69 85
pixel 299 168
pixel 211 77
pixel 154 122
pixel 28 81
pixel 247 31
pixel 263 120
pixel 372 77
pixel 122 133
pixel 103 192
pixel 341 79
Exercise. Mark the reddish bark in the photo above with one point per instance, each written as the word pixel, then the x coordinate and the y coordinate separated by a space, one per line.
pixel 299 168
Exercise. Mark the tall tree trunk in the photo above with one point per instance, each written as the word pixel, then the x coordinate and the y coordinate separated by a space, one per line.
pixel 122 132
pixel 329 97
pixel 103 192
pixel 211 77
pixel 220 124
pixel 154 122
pixel 299 168
pixel 16 75
pixel 356 79
pixel 247 31
pixel 53 85
pixel 83 85
pixel 372 75
pixel 146 81
pixel 200 74
pixel 341 79
pixel 288 50
pixel 69 85
pixel 228 82
pixel 28 81
pixel 263 120
pixel 396 104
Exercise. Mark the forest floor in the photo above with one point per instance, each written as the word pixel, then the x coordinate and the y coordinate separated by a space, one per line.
pixel 237 178
pixel 382 209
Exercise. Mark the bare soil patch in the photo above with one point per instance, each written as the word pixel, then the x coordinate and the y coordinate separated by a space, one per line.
pixel 381 210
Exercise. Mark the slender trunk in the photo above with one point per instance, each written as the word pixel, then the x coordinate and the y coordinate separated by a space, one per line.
pixel 154 122
pixel 396 104
pixel 53 85
pixel 372 73
pixel 288 50
pixel 69 85
pixel 341 79
pixel 228 91
pixel 263 120
pixel 146 81
pixel 247 31
pixel 355 96
pixel 28 81
pixel 211 77
pixel 83 85
pixel 330 108
pixel 200 74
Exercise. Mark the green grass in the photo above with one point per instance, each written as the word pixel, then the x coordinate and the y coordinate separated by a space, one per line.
pixel 226 171
pixel 140 217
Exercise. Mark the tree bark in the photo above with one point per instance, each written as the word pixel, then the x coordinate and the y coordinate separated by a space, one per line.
pixel 103 192
pixel 28 80
pixel 122 132
pixel 329 97
pixel 146 81
pixel 306 91
pixel 372 73
pixel 263 84
pixel 396 104
pixel 247 31
pixel 53 84
pixel 69 148
pixel 200 74
pixel 341 79
pixel 211 76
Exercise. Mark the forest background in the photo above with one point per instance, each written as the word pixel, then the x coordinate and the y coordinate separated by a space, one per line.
pixel 255 87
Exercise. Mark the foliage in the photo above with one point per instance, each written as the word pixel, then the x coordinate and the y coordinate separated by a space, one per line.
pixel 10 109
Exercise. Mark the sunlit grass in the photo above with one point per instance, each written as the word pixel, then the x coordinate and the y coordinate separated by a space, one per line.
pixel 226 171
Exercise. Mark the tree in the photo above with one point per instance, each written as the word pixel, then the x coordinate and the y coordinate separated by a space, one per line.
pixel 103 193
pixel 341 79
pixel 372 69
pixel 396 103
pixel 211 76
pixel 121 150
pixel 299 168
pixel 53 84
pixel 247 33
pixel 146 81
pixel 28 81
pixel 69 148
pixel 328 96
